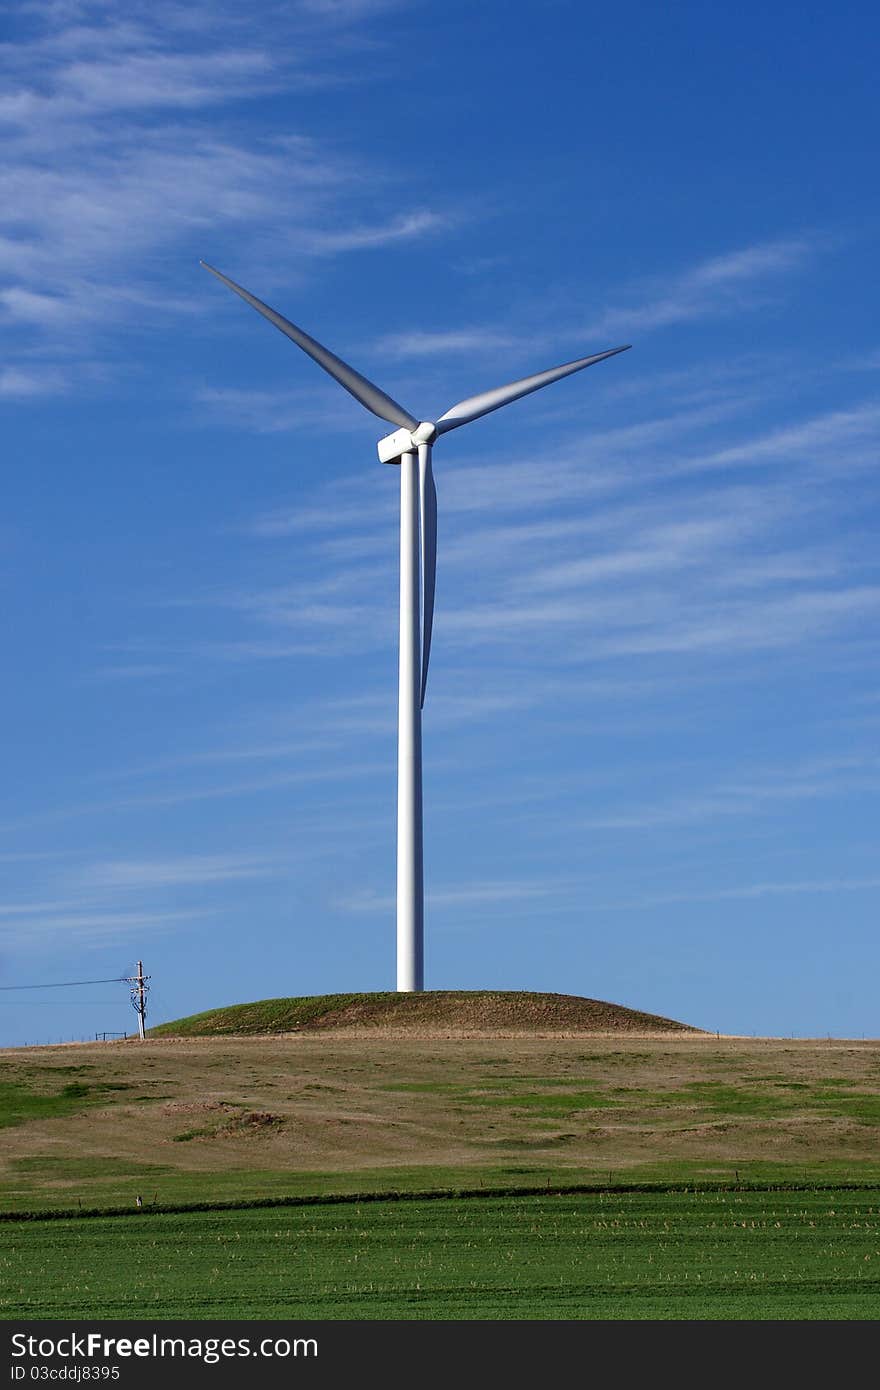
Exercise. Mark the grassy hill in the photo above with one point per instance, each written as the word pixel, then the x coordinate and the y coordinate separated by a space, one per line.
pixel 470 1011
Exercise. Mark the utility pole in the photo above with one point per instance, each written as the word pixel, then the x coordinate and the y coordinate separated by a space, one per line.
pixel 139 988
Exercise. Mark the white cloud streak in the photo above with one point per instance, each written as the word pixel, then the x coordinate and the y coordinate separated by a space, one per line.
pixel 826 437
pixel 197 870
pixel 180 796
pixel 404 228
pixel 749 891
pixel 504 891
pixel 424 343
pixel 726 284
pixel 94 928
pixel 751 796
pixel 123 153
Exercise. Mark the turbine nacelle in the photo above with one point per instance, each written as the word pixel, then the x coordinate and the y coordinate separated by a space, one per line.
pixel 405 441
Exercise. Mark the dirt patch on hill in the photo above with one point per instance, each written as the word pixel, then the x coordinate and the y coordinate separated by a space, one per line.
pixel 493 1011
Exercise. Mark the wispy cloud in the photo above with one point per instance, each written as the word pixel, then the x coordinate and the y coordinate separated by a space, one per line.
pixel 130 78
pixel 316 519
pixel 25 909
pixel 194 870
pixel 27 856
pixel 751 795
pixel 106 899
pixel 711 569
pixel 28 383
pixel 462 895
pixel 606 461
pixel 403 228
pixel 279 750
pixel 822 438
pixel 783 622
pixel 183 795
pixel 730 283
pixel 749 891
pixel 133 671
pixel 122 146
pixel 424 343
pixel 734 282
pixel 348 10
pixel 616 625
pixel 279 412
pixel 84 927
pixel 668 548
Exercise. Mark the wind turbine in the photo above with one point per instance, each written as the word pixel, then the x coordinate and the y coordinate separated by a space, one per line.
pixel 410 446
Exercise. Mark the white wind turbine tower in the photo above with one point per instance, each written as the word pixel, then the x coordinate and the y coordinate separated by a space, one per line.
pixel 410 447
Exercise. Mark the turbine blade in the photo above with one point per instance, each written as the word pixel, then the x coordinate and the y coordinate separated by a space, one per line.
pixel 475 406
pixel 356 385
pixel 428 510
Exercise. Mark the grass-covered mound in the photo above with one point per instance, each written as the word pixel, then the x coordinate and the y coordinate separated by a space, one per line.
pixel 467 1011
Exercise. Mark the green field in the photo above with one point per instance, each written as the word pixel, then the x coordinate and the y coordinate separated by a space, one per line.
pixel 692 1255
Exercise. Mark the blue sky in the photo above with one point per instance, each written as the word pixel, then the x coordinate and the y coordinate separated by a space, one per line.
pixel 651 735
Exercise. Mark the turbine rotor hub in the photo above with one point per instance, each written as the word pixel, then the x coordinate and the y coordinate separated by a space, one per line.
pixel 405 441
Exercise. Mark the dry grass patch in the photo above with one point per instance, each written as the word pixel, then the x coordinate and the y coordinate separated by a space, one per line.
pixel 310 1111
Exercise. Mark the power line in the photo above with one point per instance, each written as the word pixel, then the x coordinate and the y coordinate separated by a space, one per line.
pixel 69 984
